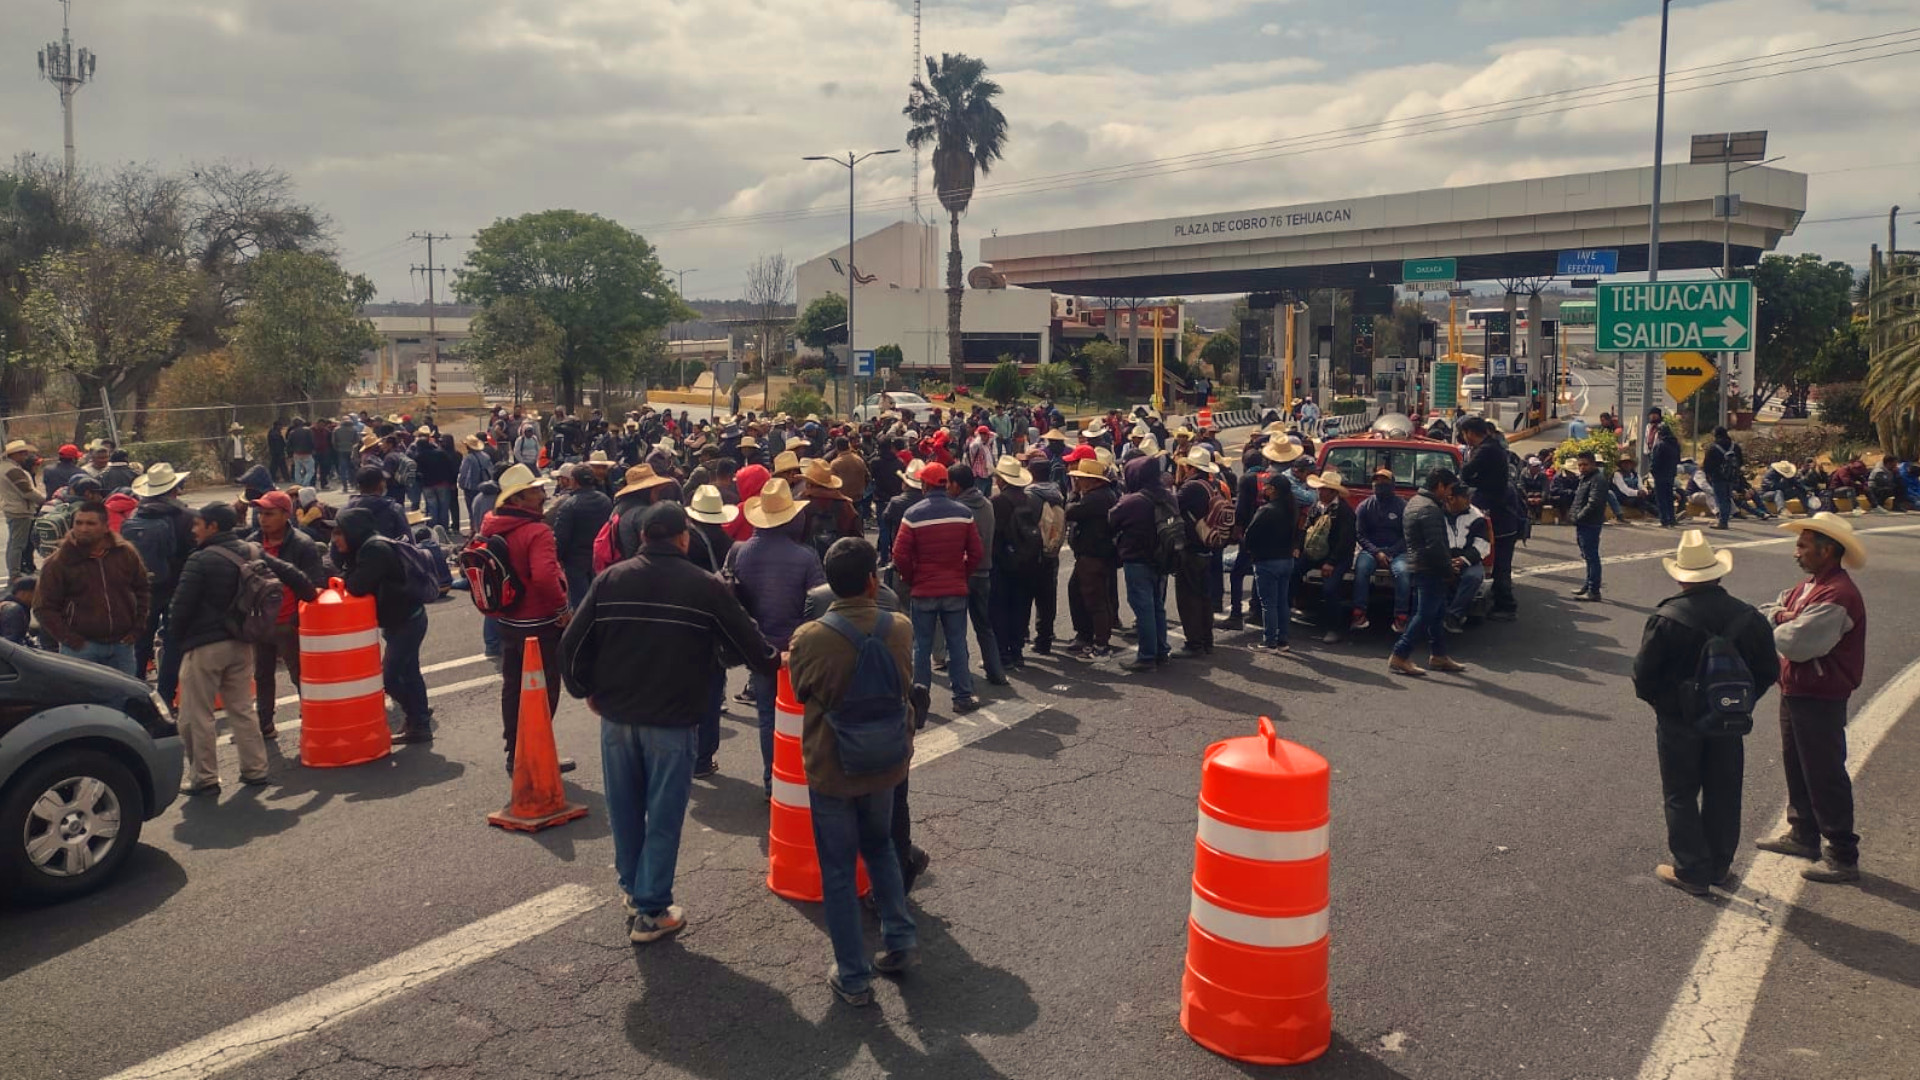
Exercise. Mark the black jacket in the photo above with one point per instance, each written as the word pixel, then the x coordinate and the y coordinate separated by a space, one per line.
pixel 1670 652
pixel 662 607
pixel 388 519
pixel 1343 539
pixel 576 527
pixel 209 585
pixel 1663 459
pixel 1274 532
pixel 1590 500
pixel 1486 473
pixel 1425 523
pixel 1089 535
pixel 437 467
pixel 374 569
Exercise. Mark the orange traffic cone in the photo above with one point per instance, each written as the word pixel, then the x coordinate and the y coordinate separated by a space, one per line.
pixel 538 798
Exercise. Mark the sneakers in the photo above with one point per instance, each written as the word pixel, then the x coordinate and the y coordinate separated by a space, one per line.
pixel 859 999
pixel 1360 620
pixel 1139 664
pixel 1579 593
pixel 705 768
pixel 921 699
pixel 660 924
pixel 896 961
pixel 256 781
pixel 1831 871
pixel 1587 597
pixel 1672 877
pixel 1331 637
pixel 965 705
pixel 1259 646
pixel 1231 622
pixel 1400 624
pixel 1455 624
pixel 744 697
pixel 1788 844
pixel 200 789
pixel 411 736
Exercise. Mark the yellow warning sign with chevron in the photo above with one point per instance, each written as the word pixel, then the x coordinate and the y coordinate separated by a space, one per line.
pixel 1687 372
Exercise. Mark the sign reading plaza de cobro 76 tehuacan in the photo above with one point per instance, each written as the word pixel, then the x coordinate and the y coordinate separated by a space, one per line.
pixel 1659 316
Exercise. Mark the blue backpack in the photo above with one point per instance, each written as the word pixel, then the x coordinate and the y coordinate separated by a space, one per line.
pixel 1721 694
pixel 155 540
pixel 870 725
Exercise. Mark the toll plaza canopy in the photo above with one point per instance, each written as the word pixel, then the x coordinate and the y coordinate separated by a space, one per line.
pixel 1512 229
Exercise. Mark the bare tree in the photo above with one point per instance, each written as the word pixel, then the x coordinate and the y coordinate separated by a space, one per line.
pixel 769 292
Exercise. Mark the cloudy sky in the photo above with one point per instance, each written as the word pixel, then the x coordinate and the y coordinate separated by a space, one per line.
pixel 687 119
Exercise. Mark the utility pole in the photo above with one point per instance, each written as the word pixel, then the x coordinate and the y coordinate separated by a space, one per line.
pixel 681 291
pixel 852 161
pixel 433 326
pixel 1650 391
pixel 68 72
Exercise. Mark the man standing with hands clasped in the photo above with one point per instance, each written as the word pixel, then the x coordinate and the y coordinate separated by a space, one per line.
pixel 1820 631
pixel 1701 771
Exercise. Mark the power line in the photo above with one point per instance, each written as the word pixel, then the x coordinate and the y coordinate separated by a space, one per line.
pixel 1568 100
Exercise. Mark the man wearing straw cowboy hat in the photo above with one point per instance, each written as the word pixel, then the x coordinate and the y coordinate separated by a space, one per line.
pixel 20 500
pixel 1700 775
pixel 1820 631
pixel 772 572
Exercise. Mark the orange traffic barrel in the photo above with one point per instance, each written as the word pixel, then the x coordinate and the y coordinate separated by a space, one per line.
pixel 343 700
pixel 793 863
pixel 1206 416
pixel 1255 987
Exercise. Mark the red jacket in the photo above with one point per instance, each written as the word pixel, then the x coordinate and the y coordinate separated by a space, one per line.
pixel 937 547
pixel 531 549
pixel 1820 630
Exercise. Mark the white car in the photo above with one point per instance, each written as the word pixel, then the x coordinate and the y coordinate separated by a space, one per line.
pixel 1474 386
pixel 899 401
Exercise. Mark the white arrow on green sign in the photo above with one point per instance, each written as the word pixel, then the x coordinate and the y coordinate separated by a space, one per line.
pixel 1412 270
pixel 1667 316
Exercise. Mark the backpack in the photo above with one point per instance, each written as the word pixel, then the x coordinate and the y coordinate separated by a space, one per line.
pixel 870 728
pixel 1319 538
pixel 51 525
pixel 1053 528
pixel 606 544
pixel 1022 535
pixel 256 602
pixel 423 581
pixel 1169 539
pixel 406 471
pixel 822 530
pixel 155 540
pixel 1216 528
pixel 1720 696
pixel 491 579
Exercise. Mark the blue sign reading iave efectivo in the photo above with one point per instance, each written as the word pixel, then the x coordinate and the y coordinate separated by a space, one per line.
pixel 1588 263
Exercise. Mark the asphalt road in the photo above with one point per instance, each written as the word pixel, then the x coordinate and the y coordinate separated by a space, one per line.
pixel 1494 910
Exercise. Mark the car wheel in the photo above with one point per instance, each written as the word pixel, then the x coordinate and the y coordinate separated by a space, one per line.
pixel 67 824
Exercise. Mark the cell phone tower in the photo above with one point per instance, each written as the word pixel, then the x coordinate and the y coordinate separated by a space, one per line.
pixel 68 71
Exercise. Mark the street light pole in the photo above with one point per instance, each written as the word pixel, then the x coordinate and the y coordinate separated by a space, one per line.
pixel 1651 388
pixel 849 164
pixel 681 291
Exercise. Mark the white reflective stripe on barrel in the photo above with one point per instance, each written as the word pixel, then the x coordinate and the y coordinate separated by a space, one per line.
pixel 1260 844
pixel 341 691
pixel 787 793
pixel 1256 931
pixel 323 643
pixel 787 723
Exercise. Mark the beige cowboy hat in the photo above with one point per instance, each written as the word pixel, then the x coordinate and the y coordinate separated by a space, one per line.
pixel 1695 560
pixel 1009 470
pixel 98 444
pixel 370 441
pixel 1278 427
pixel 774 506
pixel 708 506
pixel 423 432
pixel 1785 468
pixel 1328 479
pixel 474 442
pixel 235 426
pixel 1090 469
pixel 516 480
pixel 1183 433
pixel 600 459
pixel 911 477
pixel 1200 458
pixel 640 478
pixel 819 475
pixel 1150 446
pixel 786 461
pixel 157 481
pixel 1835 528
pixel 1093 431
pixel 1054 435
pixel 748 442
pixel 1104 456
pixel 1140 431
pixel 1281 451
pixel 20 445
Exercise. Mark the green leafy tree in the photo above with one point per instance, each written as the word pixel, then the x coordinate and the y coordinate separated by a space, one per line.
pixel 952 110
pixel 104 317
pixel 1103 359
pixel 302 327
pixel 597 280
pixel 801 400
pixel 1893 371
pixel 1054 382
pixel 514 344
pixel 1803 300
pixel 1221 352
pixel 1003 382
pixel 824 322
pixel 888 358
pixel 1843 357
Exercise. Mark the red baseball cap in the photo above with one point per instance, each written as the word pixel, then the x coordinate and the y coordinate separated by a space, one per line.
pixel 1080 453
pixel 70 452
pixel 934 475
pixel 275 500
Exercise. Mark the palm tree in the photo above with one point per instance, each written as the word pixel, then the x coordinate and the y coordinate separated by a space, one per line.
pixel 952 109
pixel 1893 342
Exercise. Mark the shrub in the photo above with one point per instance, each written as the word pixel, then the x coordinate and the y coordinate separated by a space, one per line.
pixel 1606 449
pixel 1054 381
pixel 1792 444
pixel 800 400
pixel 1347 406
pixel 1003 382
pixel 1843 406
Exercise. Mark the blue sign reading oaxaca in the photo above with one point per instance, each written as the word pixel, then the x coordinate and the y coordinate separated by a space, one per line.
pixel 1591 263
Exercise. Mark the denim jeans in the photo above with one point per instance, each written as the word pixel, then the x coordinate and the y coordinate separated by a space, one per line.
pixel 400 671
pixel 1723 500
pixel 844 829
pixel 114 654
pixel 1465 592
pixel 949 613
pixel 1663 498
pixel 490 636
pixel 648 774
pixel 1273 578
pixel 347 467
pixel 709 742
pixel 1147 596
pixel 1364 565
pixel 439 500
pixel 766 696
pixel 1588 538
pixel 303 469
pixel 1429 602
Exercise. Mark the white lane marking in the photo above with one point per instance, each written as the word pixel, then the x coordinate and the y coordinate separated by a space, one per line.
pixel 962 731
pixel 1642 556
pixel 1701 1037
pixel 432 692
pixel 267 1031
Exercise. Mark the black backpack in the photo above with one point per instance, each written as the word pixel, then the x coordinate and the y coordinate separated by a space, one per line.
pixel 1169 538
pixel 256 600
pixel 157 543
pixel 1026 549
pixel 1720 697
pixel 870 727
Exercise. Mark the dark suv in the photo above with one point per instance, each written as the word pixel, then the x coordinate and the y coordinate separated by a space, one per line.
pixel 86 758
